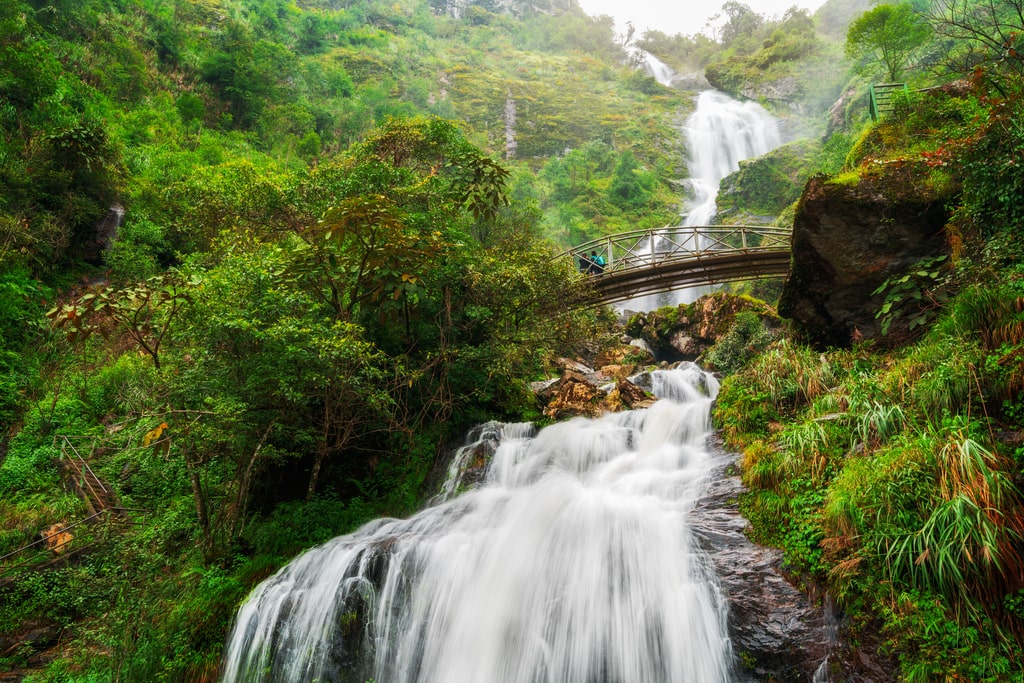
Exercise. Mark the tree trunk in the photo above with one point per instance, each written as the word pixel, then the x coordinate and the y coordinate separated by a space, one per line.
pixel 202 509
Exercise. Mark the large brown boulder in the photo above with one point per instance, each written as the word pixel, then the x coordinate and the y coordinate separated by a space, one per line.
pixel 575 395
pixel 849 237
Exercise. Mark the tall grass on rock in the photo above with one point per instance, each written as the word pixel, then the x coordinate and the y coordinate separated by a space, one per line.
pixel 968 543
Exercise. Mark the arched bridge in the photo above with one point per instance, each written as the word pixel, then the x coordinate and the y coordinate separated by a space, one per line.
pixel 660 260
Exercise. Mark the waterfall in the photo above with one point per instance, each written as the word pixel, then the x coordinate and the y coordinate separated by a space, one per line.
pixel 719 134
pixel 654 67
pixel 572 561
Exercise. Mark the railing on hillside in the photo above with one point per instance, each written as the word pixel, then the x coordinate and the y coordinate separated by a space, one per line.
pixel 67 545
pixel 86 483
pixel 57 543
pixel 880 98
pixel 661 259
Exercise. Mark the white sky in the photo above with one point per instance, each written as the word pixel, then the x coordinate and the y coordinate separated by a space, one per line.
pixel 682 16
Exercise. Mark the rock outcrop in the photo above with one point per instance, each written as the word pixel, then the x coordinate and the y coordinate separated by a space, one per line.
pixel 764 187
pixel 573 395
pixel 848 239
pixel 778 633
pixel 687 331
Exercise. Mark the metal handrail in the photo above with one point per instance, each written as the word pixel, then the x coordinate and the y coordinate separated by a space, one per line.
pixel 85 520
pixel 83 467
pixel 651 247
pixel 880 98
pixel 651 260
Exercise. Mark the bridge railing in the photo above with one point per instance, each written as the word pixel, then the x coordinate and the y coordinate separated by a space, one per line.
pixel 648 248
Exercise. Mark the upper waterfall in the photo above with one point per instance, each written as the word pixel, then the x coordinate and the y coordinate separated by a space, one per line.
pixel 720 134
pixel 655 68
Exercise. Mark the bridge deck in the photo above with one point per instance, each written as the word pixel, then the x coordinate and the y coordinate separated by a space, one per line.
pixel 649 261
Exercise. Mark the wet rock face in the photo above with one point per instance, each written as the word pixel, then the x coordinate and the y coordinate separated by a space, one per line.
pixel 778 634
pixel 574 395
pixel 848 239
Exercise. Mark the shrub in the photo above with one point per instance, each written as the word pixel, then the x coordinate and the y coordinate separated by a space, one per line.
pixel 746 338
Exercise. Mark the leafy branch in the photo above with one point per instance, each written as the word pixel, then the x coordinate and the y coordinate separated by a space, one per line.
pixel 915 296
pixel 144 311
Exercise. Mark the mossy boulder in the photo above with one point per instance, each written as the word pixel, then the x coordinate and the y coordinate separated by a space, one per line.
pixel 850 235
pixel 762 188
pixel 686 331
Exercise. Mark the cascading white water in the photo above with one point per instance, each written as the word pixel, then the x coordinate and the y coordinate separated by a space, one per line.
pixel 655 68
pixel 719 134
pixel 573 562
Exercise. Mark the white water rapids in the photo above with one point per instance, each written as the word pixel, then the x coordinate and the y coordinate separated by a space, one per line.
pixel 572 562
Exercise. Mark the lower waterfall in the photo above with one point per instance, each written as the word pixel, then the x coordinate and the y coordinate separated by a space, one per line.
pixel 572 561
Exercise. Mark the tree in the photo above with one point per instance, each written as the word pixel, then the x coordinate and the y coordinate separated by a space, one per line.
pixel 743 22
pixel 268 374
pixel 144 311
pixel 887 35
pixel 987 33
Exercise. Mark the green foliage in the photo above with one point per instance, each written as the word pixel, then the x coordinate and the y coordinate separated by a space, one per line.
pixel 28 467
pixel 294 526
pixel 20 298
pixel 746 338
pixel 888 37
pixel 340 302
pixel 877 483
pixel 991 187
pixel 933 643
pixel 831 160
pixel 914 296
pixel 138 252
pixel 144 312
pixel 768 184
pixel 763 54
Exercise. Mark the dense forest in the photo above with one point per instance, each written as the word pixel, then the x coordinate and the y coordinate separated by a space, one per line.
pixel 262 262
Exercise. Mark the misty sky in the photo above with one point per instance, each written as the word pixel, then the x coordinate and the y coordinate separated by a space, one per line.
pixel 682 16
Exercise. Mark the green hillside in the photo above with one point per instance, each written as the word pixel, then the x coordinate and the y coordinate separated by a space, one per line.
pixel 263 261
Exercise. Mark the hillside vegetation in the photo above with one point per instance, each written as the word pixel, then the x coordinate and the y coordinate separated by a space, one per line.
pixel 890 471
pixel 262 261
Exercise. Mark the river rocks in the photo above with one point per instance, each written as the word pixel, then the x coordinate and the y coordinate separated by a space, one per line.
pixel 686 345
pixel 778 633
pixel 615 355
pixel 848 239
pixel 628 395
pixel 32 643
pixel 618 371
pixel 688 330
pixel 575 395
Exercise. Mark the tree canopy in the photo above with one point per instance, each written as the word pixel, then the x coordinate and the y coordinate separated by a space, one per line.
pixel 886 39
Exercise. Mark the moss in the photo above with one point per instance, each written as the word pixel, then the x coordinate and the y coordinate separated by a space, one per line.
pixel 768 184
pixel 849 179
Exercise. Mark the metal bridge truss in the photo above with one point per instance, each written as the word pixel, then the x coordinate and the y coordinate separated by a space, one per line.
pixel 659 260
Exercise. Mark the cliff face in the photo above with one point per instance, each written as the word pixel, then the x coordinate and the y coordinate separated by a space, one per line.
pixel 848 239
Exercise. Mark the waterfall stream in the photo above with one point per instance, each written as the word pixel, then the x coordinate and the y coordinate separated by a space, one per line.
pixel 719 134
pixel 572 561
pixel 652 66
